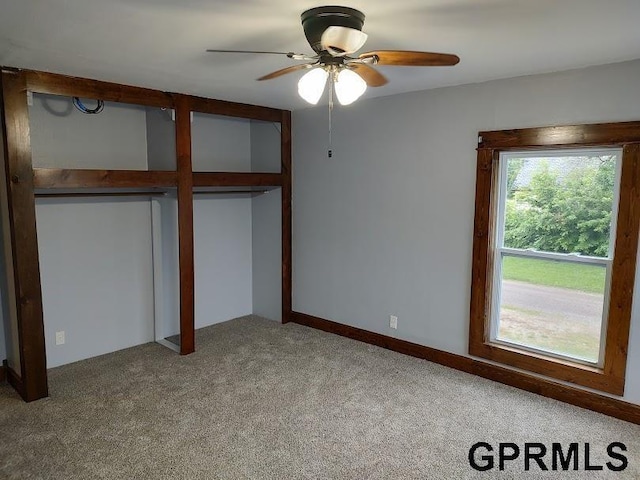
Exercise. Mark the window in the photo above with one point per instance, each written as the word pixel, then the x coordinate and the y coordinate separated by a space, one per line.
pixel 556 234
pixel 553 251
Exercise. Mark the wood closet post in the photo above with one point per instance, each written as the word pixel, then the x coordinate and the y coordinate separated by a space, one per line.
pixel 21 245
pixel 285 152
pixel 185 224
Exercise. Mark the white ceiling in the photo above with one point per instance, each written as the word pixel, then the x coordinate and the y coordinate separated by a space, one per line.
pixel 161 43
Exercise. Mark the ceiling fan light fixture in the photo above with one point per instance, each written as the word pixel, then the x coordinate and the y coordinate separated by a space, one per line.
pixel 315 22
pixel 342 40
pixel 349 86
pixel 311 85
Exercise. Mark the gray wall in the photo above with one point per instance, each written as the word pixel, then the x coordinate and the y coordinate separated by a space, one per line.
pixel 161 139
pixel 95 254
pixel 267 255
pixel 220 144
pixel 222 251
pixel 97 276
pixel 265 147
pixel 386 225
pixel 161 155
pixel 222 224
pixel 166 266
pixel 62 137
pixel 266 224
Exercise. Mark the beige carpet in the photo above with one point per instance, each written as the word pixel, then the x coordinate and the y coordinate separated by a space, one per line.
pixel 262 400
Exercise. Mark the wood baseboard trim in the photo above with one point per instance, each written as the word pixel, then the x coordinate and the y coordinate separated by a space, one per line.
pixel 3 371
pixel 541 386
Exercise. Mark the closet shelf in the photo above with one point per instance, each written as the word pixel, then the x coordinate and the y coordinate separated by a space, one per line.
pixel 237 179
pixel 239 191
pixel 66 178
pixel 56 178
pixel 232 193
pixel 103 193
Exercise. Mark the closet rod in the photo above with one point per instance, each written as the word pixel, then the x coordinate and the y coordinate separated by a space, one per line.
pixel 140 194
pixel 99 194
pixel 230 192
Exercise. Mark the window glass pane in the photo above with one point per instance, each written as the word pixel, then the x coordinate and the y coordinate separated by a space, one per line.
pixel 552 306
pixel 560 204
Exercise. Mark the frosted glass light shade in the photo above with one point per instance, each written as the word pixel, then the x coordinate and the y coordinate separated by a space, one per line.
pixel 349 86
pixel 311 85
pixel 339 40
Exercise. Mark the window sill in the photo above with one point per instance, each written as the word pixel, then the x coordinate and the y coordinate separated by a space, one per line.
pixel 560 369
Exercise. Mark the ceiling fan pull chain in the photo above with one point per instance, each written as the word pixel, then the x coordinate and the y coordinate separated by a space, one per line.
pixel 330 152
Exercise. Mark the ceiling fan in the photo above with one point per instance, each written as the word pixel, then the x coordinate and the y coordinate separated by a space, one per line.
pixel 335 33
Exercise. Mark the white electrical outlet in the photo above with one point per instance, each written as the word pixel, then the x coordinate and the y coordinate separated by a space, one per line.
pixel 393 321
pixel 60 338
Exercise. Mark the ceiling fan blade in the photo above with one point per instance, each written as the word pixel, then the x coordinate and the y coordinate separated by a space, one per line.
pixel 340 41
pixel 295 56
pixel 410 59
pixel 284 71
pixel 369 74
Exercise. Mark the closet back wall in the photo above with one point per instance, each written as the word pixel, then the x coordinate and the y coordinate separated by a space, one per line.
pixel 222 224
pixel 95 254
pixel 267 224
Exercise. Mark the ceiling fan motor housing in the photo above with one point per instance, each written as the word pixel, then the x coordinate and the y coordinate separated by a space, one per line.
pixel 316 20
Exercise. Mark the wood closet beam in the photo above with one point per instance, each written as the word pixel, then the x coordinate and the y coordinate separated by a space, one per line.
pixel 80 178
pixel 237 179
pixel 55 84
pixel 233 109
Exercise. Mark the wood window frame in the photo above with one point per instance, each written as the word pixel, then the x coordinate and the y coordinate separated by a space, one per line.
pixel 610 377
